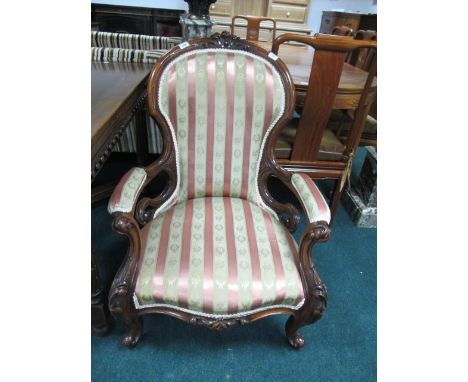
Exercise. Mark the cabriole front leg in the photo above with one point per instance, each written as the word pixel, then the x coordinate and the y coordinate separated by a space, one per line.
pixel 121 295
pixel 314 289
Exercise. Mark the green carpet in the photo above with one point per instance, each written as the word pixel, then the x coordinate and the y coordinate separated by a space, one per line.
pixel 339 347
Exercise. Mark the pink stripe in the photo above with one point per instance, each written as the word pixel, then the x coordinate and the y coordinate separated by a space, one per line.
pixel 292 247
pixel 211 122
pixel 249 82
pixel 117 193
pixel 257 285
pixel 279 271
pixel 191 77
pixel 144 243
pixel 322 206
pixel 172 87
pixel 233 286
pixel 268 98
pixel 229 126
pixel 208 260
pixel 185 256
pixel 161 257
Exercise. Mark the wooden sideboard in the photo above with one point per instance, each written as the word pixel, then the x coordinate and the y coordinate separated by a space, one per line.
pixel 355 21
pixel 291 16
pixel 136 20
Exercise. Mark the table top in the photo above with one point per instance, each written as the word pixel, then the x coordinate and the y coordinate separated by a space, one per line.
pixel 299 58
pixel 111 84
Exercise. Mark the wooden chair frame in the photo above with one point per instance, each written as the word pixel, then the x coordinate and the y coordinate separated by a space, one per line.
pixel 329 57
pixel 253 26
pixel 342 30
pixel 121 304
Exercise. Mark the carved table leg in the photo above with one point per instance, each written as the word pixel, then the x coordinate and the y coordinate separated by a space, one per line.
pixel 99 311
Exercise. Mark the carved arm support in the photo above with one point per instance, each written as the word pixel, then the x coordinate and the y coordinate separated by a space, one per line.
pixel 315 290
pixel 123 284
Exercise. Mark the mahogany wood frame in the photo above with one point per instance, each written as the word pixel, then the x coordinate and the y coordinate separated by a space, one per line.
pixel 253 26
pixel 120 297
pixel 329 57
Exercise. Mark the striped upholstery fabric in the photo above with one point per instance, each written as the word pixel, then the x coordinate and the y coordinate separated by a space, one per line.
pixel 217 256
pixel 312 199
pixel 132 41
pixel 124 196
pixel 125 55
pixel 220 104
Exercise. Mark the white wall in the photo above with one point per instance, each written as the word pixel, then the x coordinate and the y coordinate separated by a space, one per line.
pixel 168 4
pixel 317 6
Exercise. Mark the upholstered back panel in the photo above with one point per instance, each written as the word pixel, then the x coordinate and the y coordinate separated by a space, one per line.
pixel 221 104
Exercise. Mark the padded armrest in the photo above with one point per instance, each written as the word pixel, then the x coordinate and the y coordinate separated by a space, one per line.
pixel 126 193
pixel 311 198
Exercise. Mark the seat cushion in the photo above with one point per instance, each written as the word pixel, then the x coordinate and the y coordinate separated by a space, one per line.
pixel 330 149
pixel 218 257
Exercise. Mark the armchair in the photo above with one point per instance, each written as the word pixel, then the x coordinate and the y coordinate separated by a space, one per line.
pixel 215 248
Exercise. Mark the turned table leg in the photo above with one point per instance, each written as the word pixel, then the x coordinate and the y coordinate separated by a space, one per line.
pixel 99 309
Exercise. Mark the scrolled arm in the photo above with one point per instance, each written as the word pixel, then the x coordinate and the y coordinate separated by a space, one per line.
pixel 127 191
pixel 312 200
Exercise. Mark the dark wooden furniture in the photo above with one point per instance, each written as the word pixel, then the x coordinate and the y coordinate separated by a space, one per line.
pixel 355 21
pixel 118 91
pixel 342 30
pixel 253 26
pixel 136 20
pixel 173 103
pixel 299 59
pixel 316 150
pixel 362 59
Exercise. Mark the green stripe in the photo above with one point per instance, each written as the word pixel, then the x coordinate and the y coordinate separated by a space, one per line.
pixel 238 125
pixel 182 124
pixel 267 266
pixel 220 258
pixel 172 266
pixel 148 265
pixel 244 262
pixel 291 274
pixel 196 266
pixel 220 124
pixel 258 118
pixel 201 118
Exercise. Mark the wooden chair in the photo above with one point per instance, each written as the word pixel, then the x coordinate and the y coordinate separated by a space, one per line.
pixel 215 247
pixel 342 30
pixel 253 26
pixel 362 59
pixel 306 145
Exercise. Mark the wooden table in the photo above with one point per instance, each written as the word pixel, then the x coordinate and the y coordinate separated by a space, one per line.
pixel 298 59
pixel 118 92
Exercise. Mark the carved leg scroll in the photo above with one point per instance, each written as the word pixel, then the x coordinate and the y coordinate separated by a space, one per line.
pixel 121 307
pixel 315 291
pixel 120 297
